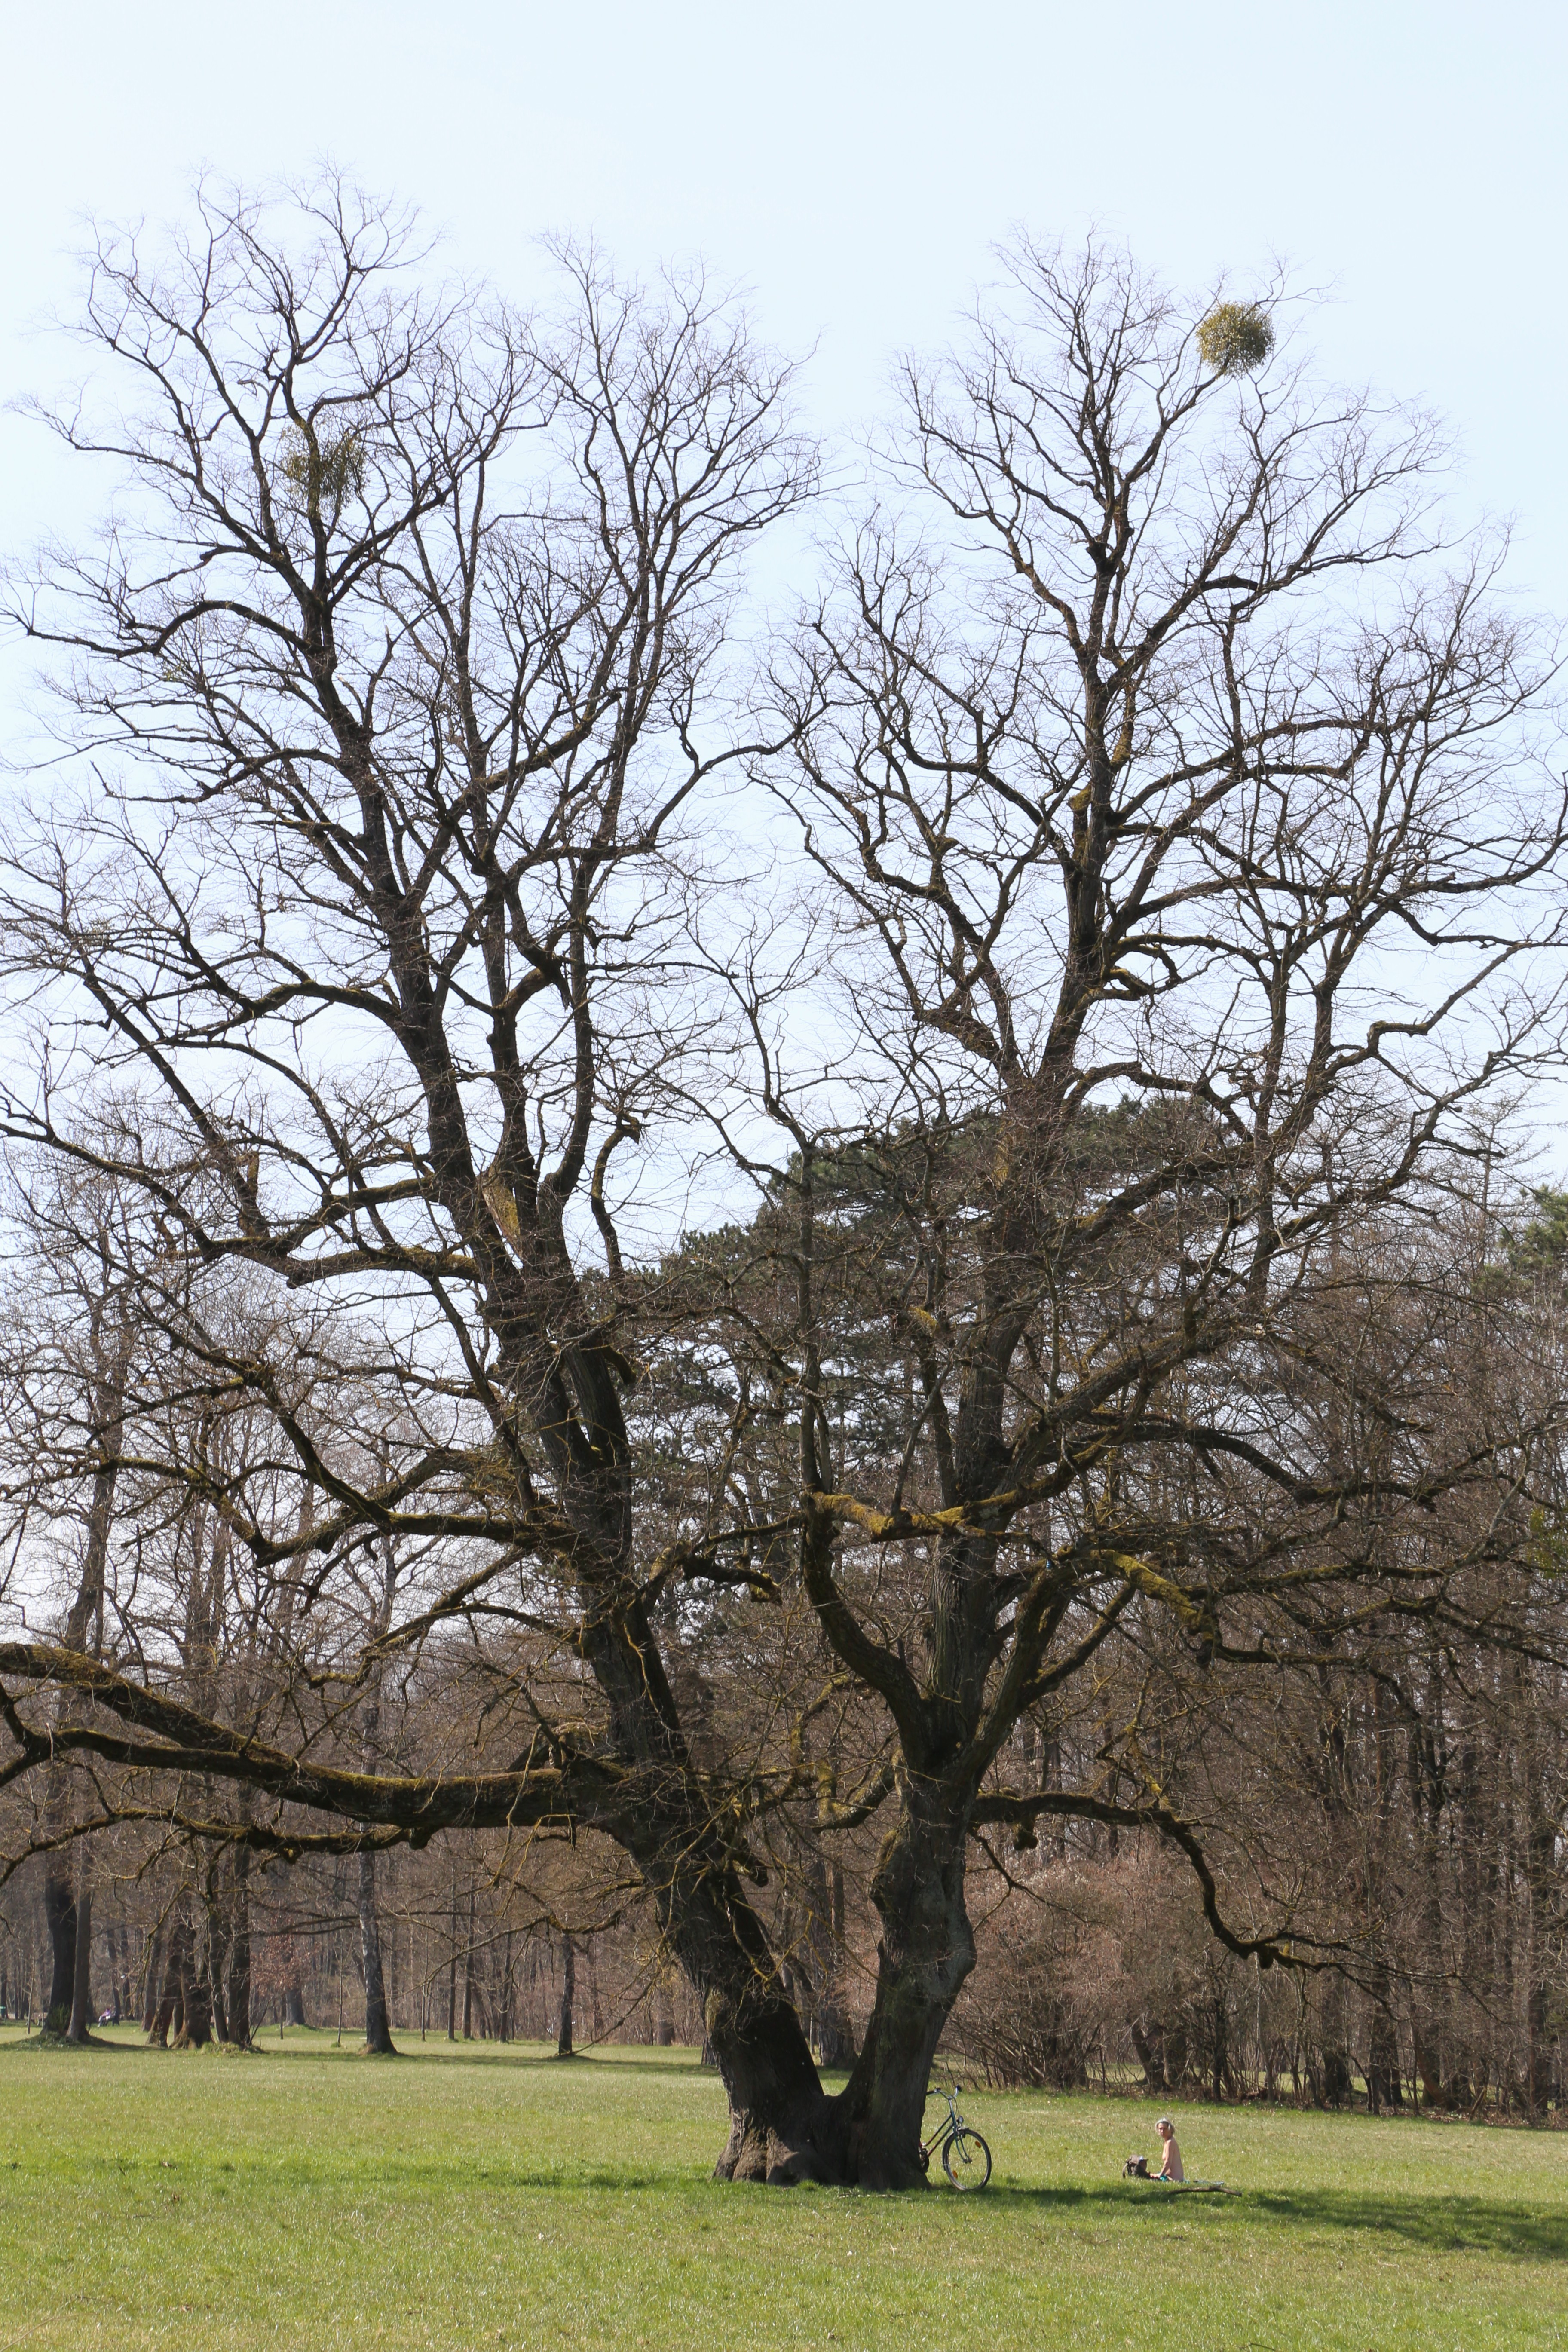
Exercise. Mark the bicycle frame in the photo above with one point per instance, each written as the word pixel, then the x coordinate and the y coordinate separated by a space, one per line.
pixel 949 2126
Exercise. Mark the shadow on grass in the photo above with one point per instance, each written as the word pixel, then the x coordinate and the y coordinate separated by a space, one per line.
pixel 491 2060
pixel 497 2058
pixel 1439 2224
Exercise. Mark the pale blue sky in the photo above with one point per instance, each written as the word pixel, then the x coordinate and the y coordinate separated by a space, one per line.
pixel 853 162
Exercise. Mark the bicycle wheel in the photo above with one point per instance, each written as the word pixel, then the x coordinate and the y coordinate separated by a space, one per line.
pixel 966 2160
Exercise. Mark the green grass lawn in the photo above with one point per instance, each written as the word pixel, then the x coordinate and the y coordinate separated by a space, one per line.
pixel 312 2198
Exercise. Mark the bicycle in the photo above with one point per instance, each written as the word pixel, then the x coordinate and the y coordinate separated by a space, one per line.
pixel 965 2158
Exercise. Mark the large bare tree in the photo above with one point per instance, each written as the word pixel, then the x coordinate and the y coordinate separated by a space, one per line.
pixel 1175 865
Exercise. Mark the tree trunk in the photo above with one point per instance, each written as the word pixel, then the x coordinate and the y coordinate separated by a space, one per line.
pixel 568 1995
pixel 86 1616
pixel 216 1966
pixel 59 1918
pixel 169 2016
pixel 1382 2084
pixel 825 1944
pixel 1540 1876
pixel 239 1953
pixel 452 1973
pixel 504 2020
pixel 663 2016
pixel 378 2038
pixel 195 2029
pixel 1150 2053
pixel 150 1984
pixel 377 2026
pixel 294 2002
pixel 926 1951
pixel 80 2030
pixel 1336 2065
pixel 783 2126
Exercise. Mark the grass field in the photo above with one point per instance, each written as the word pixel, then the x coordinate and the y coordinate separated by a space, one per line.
pixel 311 2198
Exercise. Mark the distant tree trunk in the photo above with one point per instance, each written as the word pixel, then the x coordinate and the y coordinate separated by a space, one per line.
pixel 506 1988
pixel 568 1994
pixel 468 1971
pixel 84 1621
pixel 1336 2065
pixel 1220 2070
pixel 1463 2080
pixel 195 2029
pixel 825 1945
pixel 663 2019
pixel 216 1951
pixel 1540 1876
pixel 170 2015
pixel 1382 2084
pixel 239 1952
pixel 80 2030
pixel 59 1919
pixel 294 2000
pixel 452 1972
pixel 377 2026
pixel 153 1957
pixel 1151 2051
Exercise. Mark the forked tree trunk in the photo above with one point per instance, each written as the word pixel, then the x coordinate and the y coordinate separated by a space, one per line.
pixel 783 2127
pixel 377 2025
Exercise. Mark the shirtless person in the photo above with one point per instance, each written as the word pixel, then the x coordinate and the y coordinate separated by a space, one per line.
pixel 1171 2155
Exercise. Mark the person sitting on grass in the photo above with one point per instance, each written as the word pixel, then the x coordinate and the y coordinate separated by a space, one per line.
pixel 1170 2154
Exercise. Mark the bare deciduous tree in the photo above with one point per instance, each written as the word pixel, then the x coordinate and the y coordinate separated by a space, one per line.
pixel 1175 844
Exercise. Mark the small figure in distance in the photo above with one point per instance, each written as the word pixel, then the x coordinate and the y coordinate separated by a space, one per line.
pixel 1171 2155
